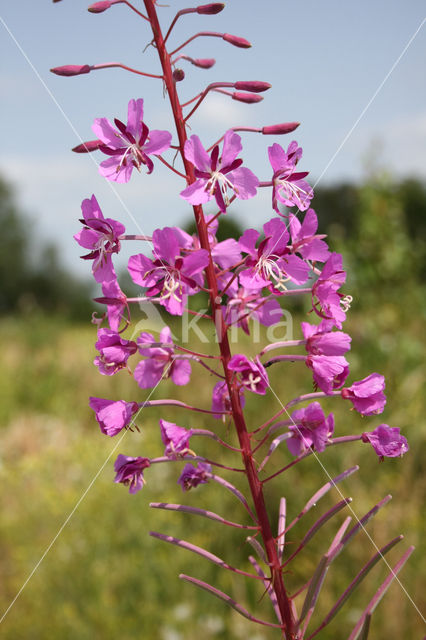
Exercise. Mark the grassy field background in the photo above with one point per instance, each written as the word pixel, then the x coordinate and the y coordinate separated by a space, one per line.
pixel 105 577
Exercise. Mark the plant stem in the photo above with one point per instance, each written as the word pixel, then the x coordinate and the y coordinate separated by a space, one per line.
pixel 256 488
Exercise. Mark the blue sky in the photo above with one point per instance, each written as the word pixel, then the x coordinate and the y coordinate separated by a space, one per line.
pixel 325 60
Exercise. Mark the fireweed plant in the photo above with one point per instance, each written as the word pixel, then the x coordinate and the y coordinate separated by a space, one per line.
pixel 246 279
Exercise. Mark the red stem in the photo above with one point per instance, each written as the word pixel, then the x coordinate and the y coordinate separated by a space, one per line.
pixel 255 484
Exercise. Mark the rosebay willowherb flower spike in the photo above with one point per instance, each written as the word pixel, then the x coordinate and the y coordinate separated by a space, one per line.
pixel 246 279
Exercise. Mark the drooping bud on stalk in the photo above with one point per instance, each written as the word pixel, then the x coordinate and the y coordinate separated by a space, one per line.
pixel 210 9
pixel 203 63
pixel 249 98
pixel 178 75
pixel 99 7
pixel 71 70
pixel 87 147
pixel 252 85
pixel 280 129
pixel 236 41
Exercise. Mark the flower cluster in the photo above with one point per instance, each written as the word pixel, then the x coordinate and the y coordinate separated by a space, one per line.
pixel 246 279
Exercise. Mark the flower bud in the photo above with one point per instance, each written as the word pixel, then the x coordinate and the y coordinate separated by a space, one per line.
pixel 99 7
pixel 203 63
pixel 71 70
pixel 87 147
pixel 236 41
pixel 252 85
pixel 210 9
pixel 249 98
pixel 279 129
pixel 178 75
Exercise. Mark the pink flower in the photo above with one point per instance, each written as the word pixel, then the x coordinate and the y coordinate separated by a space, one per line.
pixel 329 372
pixel 367 395
pixel 288 186
pixel 270 264
pixel 116 302
pixel 175 439
pixel 114 352
pixel 170 276
pixel 216 175
pixel 311 429
pixel 129 145
pixel 245 304
pixel 251 375
pixel 160 362
pixel 113 416
pixel 321 340
pixel 221 401
pixel 305 240
pixel 328 301
pixel 101 236
pixel 193 476
pixel 386 441
pixel 129 471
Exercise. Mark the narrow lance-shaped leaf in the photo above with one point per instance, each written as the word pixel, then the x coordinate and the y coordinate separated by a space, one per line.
pixel 318 524
pixel 321 493
pixel 318 578
pixel 355 582
pixel 360 525
pixel 235 491
pixel 315 587
pixel 334 550
pixel 380 593
pixel 201 552
pixel 200 512
pixel 222 596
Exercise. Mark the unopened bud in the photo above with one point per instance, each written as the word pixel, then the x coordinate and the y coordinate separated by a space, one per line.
pixel 99 7
pixel 210 9
pixel 252 85
pixel 178 75
pixel 236 41
pixel 87 147
pixel 249 98
pixel 280 129
pixel 71 69
pixel 203 63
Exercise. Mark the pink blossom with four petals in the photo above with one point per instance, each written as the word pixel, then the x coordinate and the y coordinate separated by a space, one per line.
pixel 175 439
pixel 329 372
pixel 114 352
pixel 386 441
pixel 161 362
pixel 305 239
pixel 367 395
pixel 129 471
pixel 251 375
pixel 101 236
pixel 129 146
pixel 321 340
pixel 270 264
pixel 170 276
pixel 113 415
pixel 326 302
pixel 193 476
pixel 215 176
pixel 311 429
pixel 288 186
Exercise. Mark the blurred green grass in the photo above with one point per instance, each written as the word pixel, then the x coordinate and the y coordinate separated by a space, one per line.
pixel 105 576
